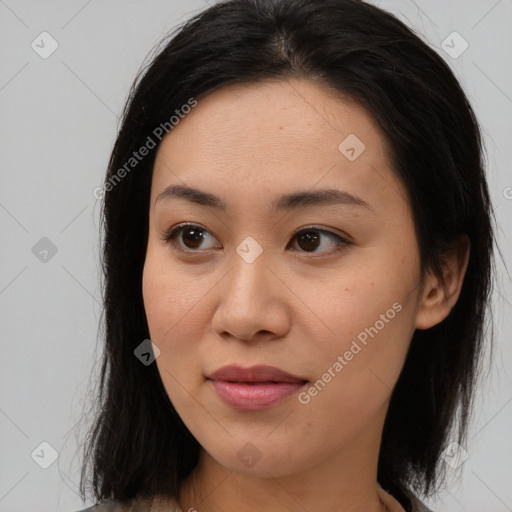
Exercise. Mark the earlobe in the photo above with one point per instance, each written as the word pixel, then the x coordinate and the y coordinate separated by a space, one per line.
pixel 441 295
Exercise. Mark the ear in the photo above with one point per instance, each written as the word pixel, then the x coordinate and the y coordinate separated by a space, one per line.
pixel 439 297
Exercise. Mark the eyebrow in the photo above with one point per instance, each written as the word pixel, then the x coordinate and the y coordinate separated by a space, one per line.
pixel 300 199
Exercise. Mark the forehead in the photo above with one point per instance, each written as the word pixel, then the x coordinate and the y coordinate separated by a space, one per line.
pixel 272 135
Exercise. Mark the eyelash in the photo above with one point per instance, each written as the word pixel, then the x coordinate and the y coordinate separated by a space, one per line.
pixel 341 242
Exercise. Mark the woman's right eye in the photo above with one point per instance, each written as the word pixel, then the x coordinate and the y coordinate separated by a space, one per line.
pixel 191 236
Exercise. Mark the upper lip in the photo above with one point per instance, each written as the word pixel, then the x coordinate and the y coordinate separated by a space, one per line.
pixel 258 373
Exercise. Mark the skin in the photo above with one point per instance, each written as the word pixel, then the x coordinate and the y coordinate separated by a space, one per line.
pixel 289 308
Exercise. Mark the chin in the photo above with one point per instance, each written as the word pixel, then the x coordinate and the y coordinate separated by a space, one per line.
pixel 263 459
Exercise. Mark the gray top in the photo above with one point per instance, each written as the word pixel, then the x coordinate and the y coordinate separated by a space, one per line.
pixel 137 505
pixel 144 505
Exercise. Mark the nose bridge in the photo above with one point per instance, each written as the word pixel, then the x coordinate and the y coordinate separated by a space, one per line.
pixel 248 275
pixel 249 303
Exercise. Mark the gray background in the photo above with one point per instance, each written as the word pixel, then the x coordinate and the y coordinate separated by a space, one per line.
pixel 58 122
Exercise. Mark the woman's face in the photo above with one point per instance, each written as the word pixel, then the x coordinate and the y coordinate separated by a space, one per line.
pixel 263 279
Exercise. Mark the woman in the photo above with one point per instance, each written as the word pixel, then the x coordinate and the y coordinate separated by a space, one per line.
pixel 297 261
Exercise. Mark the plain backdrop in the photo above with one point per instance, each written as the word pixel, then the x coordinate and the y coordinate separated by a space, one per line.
pixel 58 121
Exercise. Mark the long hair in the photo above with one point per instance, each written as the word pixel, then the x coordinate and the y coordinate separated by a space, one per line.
pixel 138 445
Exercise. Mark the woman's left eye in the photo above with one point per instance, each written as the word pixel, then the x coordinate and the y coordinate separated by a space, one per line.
pixel 308 239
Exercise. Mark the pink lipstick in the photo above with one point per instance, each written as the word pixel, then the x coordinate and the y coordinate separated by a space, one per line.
pixel 255 388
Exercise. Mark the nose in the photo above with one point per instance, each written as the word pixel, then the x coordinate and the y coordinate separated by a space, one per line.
pixel 253 301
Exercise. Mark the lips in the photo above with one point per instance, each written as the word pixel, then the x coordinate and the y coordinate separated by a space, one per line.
pixel 254 388
pixel 259 373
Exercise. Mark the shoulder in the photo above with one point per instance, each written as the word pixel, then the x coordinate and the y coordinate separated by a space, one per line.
pixel 418 506
pixel 400 499
pixel 156 504
pixel 135 505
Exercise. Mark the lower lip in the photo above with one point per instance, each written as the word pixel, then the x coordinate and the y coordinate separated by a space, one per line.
pixel 254 397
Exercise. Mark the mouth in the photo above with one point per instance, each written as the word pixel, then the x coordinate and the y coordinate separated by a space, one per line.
pixel 255 388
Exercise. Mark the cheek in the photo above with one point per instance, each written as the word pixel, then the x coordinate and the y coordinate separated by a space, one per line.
pixel 368 319
pixel 176 321
pixel 170 300
pixel 356 371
